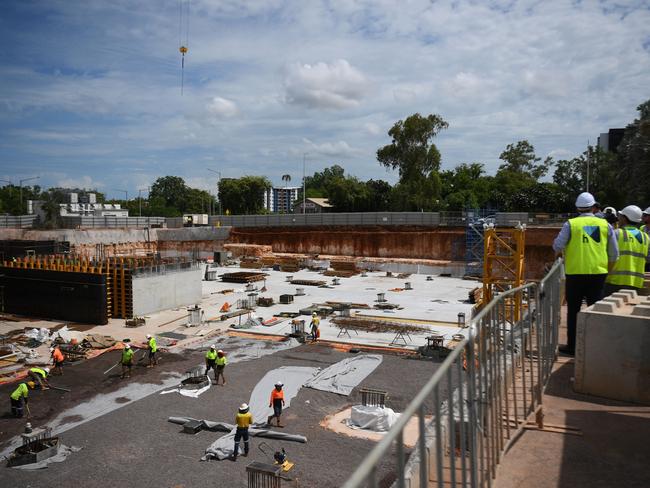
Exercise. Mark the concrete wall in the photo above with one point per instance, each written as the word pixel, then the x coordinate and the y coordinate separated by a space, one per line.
pixel 152 293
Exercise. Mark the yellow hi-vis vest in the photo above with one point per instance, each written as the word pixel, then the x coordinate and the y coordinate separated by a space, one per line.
pixel 633 249
pixel 211 355
pixel 222 361
pixel 586 252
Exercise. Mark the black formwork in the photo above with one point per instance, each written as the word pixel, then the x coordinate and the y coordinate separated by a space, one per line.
pixel 18 248
pixel 62 295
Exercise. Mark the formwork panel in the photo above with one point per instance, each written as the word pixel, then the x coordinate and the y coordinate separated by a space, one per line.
pixel 63 295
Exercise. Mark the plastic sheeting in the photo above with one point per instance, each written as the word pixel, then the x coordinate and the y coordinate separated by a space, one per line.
pixel 187 392
pixel 342 377
pixel 373 418
pixel 293 377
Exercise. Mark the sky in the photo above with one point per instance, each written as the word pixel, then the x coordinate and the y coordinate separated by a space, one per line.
pixel 90 91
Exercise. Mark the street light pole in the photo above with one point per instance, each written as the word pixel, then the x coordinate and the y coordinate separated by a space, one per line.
pixel 218 185
pixel 126 194
pixel 21 189
pixel 304 191
pixel 140 190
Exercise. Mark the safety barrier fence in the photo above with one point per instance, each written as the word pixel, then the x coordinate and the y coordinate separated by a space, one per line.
pixel 111 222
pixel 480 398
pixel 17 221
pixel 427 219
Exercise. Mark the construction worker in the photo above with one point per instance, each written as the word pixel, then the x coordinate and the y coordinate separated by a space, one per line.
pixel 590 251
pixel 39 376
pixel 611 217
pixel 277 402
pixel 646 228
pixel 57 359
pixel 153 349
pixel 18 398
pixel 127 361
pixel 646 221
pixel 211 361
pixel 628 272
pixel 314 324
pixel 243 420
pixel 221 365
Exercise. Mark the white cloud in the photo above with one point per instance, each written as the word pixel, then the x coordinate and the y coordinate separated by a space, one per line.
pixel 336 85
pixel 83 182
pixel 222 108
pixel 372 128
pixel 335 149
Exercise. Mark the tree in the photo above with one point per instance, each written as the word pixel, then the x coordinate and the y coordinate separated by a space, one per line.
pixel 243 195
pixel 316 185
pixel 172 189
pixel 633 161
pixel 520 158
pixel 411 151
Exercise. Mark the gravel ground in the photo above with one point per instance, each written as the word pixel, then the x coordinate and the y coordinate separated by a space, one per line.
pixel 136 446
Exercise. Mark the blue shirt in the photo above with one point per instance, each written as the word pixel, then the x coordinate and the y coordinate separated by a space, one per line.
pixel 564 236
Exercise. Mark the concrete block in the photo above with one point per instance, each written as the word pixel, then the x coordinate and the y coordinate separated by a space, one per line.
pixel 612 344
pixel 641 310
pixel 603 306
pixel 618 302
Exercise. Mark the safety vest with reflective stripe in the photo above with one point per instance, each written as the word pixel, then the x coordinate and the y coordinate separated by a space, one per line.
pixel 645 229
pixel 633 249
pixel 21 391
pixel 586 252
pixel 222 361
pixel 153 347
pixel 211 355
pixel 40 371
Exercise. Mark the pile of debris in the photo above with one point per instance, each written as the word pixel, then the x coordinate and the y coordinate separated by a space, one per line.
pixel 342 268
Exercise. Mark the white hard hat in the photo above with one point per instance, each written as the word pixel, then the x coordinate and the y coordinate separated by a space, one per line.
pixel 610 210
pixel 148 336
pixel 220 351
pixel 243 407
pixel 126 346
pixel 647 211
pixel 633 213
pixel 314 314
pixel 51 349
pixel 585 200
pixel 279 383
pixel 213 346
pixel 46 369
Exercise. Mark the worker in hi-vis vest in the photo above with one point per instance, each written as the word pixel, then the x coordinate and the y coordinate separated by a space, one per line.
pixel 590 251
pixel 628 272
pixel 646 228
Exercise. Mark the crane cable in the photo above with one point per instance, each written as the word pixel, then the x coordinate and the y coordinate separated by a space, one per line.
pixel 183 28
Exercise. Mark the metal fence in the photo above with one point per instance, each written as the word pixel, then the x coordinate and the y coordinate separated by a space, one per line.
pixel 17 221
pixel 483 394
pixel 429 219
pixel 111 222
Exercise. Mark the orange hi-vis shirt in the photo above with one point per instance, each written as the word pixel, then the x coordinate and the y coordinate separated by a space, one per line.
pixel 57 355
pixel 277 395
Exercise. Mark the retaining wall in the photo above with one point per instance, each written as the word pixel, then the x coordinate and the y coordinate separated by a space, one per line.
pixel 152 293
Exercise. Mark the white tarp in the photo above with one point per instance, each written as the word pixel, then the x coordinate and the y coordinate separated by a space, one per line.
pixel 373 418
pixel 59 457
pixel 342 377
pixel 293 378
pixel 187 392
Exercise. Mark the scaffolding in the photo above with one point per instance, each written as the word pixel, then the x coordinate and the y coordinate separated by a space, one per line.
pixel 474 242
pixel 503 267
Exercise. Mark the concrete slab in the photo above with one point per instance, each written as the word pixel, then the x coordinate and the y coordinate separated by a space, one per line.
pixel 431 304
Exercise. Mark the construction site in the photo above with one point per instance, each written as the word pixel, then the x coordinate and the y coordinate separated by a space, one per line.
pixel 419 352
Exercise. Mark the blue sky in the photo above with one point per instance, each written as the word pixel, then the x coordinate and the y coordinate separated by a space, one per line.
pixel 90 90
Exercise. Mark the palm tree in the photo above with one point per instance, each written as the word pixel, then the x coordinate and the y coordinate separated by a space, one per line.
pixel 286 179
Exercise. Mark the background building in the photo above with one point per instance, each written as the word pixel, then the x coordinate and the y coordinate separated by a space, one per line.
pixel 281 199
pixel 314 205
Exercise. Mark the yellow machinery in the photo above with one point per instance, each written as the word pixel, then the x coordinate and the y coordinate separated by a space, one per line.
pixel 503 266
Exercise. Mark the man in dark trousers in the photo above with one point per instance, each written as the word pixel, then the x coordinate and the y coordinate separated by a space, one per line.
pixel 243 420
pixel 277 402
pixel 18 399
pixel 590 252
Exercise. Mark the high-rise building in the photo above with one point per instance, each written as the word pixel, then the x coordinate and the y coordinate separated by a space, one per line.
pixel 281 199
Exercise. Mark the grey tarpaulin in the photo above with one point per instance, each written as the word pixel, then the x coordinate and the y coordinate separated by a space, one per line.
pixel 293 378
pixel 226 427
pixel 343 376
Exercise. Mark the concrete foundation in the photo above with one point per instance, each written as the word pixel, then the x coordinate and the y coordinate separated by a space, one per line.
pixel 612 343
pixel 152 293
